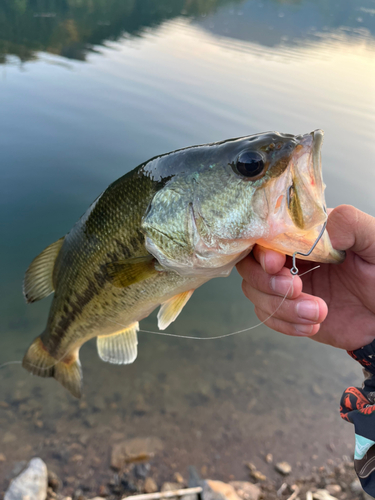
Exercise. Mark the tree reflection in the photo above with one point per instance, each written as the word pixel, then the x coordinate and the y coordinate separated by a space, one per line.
pixel 72 28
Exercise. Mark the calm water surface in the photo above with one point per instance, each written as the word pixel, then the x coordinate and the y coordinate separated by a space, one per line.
pixel 90 90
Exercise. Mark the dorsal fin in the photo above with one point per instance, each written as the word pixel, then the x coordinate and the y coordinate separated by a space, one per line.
pixel 123 273
pixel 172 308
pixel 119 348
pixel 37 283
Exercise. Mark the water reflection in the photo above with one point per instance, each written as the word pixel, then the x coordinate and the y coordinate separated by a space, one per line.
pixel 65 135
pixel 75 28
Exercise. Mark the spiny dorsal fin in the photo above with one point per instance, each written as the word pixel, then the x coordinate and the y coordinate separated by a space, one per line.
pixel 120 348
pixel 37 283
pixel 124 273
pixel 172 308
pixel 67 371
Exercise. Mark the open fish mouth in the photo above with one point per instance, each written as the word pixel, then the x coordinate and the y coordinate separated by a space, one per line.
pixel 305 206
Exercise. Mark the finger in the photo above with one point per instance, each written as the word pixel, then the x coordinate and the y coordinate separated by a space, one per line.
pixel 307 309
pixel 270 260
pixel 351 229
pixel 281 326
pixel 281 284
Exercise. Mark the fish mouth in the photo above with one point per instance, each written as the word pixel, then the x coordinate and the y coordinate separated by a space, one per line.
pixel 305 206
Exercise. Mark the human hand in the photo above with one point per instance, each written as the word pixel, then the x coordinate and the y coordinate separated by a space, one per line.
pixel 337 304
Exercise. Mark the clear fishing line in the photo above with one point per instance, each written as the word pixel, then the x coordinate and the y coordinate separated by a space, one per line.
pixel 188 337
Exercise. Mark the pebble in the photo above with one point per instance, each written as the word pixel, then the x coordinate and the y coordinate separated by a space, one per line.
pixel 179 478
pixel 246 490
pixel 217 490
pixel 53 481
pixel 150 485
pixel 134 450
pixel 355 486
pixel 31 483
pixel 257 475
pixel 334 489
pixel 141 471
pixel 269 458
pixel 283 468
pixel 2 457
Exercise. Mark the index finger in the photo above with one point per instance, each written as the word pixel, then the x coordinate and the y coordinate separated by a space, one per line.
pixel 272 262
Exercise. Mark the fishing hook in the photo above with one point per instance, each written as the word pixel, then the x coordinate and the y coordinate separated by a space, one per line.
pixel 294 269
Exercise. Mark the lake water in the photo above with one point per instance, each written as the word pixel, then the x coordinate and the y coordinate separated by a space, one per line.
pixel 88 90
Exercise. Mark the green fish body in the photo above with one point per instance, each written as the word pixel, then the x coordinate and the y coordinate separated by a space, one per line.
pixel 161 231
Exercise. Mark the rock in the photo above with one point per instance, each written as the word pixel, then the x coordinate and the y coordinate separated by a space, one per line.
pixel 150 485
pixel 269 458
pixel 246 490
pixel 134 450
pixel 141 471
pixel 217 490
pixel 2 457
pixel 194 478
pixel 53 481
pixel 30 484
pixel 334 489
pixel 179 479
pixel 257 475
pixel 283 468
pixel 355 486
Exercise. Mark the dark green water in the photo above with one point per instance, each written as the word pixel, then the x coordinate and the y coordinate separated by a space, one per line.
pixel 88 90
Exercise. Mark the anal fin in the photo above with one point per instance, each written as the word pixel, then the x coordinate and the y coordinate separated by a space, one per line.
pixel 38 283
pixel 67 371
pixel 172 308
pixel 119 348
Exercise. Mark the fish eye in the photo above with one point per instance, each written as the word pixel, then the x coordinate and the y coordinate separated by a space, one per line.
pixel 250 164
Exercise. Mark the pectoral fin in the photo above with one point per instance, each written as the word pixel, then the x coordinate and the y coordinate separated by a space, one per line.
pixel 172 308
pixel 124 273
pixel 119 348
pixel 38 277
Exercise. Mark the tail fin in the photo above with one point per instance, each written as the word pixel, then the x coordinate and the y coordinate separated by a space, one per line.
pixel 67 371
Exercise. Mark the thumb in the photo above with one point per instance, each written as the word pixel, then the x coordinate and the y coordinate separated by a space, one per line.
pixel 351 229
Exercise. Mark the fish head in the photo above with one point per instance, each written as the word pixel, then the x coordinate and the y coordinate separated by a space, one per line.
pixel 220 199
pixel 296 204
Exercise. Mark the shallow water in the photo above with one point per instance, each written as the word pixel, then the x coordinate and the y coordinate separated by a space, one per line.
pixel 89 92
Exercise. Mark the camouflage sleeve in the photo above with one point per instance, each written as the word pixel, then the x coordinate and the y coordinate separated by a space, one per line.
pixel 358 407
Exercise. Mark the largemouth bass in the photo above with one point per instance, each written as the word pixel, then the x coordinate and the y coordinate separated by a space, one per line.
pixel 161 231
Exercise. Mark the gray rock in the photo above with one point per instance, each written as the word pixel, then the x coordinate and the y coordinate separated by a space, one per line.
pixel 30 484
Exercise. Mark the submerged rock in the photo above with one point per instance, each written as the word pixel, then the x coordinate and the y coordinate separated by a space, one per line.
pixel 30 484
pixel 134 450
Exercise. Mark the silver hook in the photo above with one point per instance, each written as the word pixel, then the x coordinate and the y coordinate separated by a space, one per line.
pixel 294 269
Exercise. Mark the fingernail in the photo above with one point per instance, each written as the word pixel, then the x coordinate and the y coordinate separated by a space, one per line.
pixel 308 309
pixel 282 285
pixel 304 329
